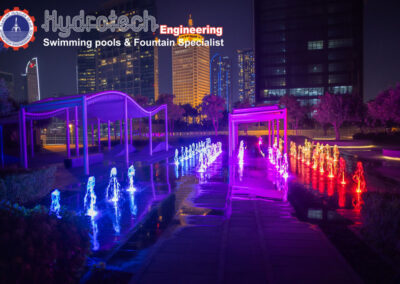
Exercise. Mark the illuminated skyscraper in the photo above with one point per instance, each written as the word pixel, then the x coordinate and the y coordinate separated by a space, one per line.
pixel 221 78
pixel 32 80
pixel 306 48
pixel 86 71
pixel 246 75
pixel 129 69
pixel 190 70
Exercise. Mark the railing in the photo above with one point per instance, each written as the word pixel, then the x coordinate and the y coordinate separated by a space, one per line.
pixel 345 133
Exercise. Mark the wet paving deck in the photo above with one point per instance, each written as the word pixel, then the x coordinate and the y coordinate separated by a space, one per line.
pixel 256 239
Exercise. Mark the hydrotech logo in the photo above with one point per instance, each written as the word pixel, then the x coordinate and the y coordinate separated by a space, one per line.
pixel 113 23
pixel 17 28
pixel 82 23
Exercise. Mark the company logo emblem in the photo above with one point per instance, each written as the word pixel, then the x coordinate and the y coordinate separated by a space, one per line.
pixel 17 28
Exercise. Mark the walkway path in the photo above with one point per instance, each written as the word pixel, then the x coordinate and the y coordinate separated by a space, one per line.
pixel 246 238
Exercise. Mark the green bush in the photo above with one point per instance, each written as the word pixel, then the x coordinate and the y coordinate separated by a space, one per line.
pixel 27 186
pixel 381 219
pixel 39 248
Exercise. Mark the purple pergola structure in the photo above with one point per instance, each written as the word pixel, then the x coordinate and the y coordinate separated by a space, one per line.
pixel 257 114
pixel 92 109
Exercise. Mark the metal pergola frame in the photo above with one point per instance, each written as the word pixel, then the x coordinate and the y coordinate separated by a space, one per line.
pixel 66 106
pixel 257 114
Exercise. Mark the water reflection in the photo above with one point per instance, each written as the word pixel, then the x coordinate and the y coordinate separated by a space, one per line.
pixel 132 204
pixel 332 182
pixel 95 230
pixel 116 218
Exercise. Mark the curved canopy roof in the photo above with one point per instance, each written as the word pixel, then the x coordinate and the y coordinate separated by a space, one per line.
pixel 107 105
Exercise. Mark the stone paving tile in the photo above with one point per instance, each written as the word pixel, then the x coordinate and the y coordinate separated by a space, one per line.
pixel 260 241
pixel 178 278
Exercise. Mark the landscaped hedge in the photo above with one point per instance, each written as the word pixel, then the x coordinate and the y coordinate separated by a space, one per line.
pixel 39 248
pixel 381 219
pixel 381 137
pixel 26 186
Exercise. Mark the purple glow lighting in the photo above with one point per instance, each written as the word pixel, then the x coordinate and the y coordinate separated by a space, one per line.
pixel 102 107
pixel 256 114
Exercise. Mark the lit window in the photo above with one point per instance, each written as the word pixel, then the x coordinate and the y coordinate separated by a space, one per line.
pixel 317 44
pixel 336 43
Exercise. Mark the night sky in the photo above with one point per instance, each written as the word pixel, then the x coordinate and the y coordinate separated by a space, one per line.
pixel 58 64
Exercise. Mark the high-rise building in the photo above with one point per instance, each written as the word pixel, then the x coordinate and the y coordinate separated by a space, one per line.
pixel 221 78
pixel 129 69
pixel 32 80
pixel 246 75
pixel 9 83
pixel 306 48
pixel 87 71
pixel 190 70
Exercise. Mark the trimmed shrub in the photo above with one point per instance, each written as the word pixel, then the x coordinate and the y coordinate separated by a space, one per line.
pixel 27 186
pixel 392 138
pixel 381 219
pixel 39 248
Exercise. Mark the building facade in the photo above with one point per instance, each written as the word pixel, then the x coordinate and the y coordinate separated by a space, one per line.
pixel 129 69
pixel 9 83
pixel 306 48
pixel 87 71
pixel 190 70
pixel 246 75
pixel 221 78
pixel 32 80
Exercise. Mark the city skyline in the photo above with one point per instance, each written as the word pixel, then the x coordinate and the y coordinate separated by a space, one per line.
pixel 380 44
pixel 55 66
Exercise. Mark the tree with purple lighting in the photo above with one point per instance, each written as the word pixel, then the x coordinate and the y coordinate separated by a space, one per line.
pixel 142 101
pixel 212 107
pixel 386 107
pixel 175 112
pixel 332 109
pixel 294 110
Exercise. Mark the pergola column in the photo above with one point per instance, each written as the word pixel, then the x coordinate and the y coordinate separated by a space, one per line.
pixel 277 133
pixel 92 134
pixel 285 130
pixel 150 137
pixel 115 131
pixel 273 132
pixel 1 146
pixel 166 128
pixel 236 135
pixel 167 173
pixel 126 131
pixel 131 129
pixel 269 133
pixel 32 142
pixel 99 134
pixel 120 131
pixel 85 138
pixel 76 132
pixel 67 134
pixel 109 134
